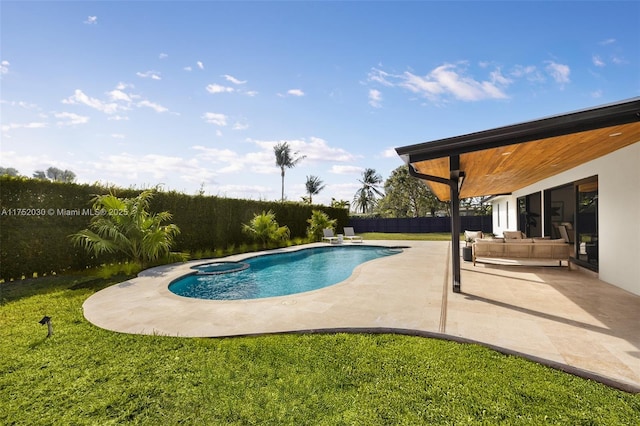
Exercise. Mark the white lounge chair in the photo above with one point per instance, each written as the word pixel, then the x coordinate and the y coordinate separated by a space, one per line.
pixel 350 235
pixel 328 235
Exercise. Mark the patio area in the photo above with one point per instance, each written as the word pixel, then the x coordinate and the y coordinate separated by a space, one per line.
pixel 559 317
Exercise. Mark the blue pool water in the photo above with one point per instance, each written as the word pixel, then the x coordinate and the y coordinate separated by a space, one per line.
pixel 277 274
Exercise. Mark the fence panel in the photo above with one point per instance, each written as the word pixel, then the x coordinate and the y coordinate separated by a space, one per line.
pixel 414 225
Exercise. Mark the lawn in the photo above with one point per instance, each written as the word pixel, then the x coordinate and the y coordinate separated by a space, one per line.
pixel 86 375
pixel 433 236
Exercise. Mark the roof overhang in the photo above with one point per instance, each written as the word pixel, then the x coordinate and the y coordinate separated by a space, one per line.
pixel 505 159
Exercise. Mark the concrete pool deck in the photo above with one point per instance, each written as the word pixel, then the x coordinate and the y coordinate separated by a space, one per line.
pixel 563 318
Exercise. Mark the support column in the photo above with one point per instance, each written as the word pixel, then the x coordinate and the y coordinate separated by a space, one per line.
pixel 454 170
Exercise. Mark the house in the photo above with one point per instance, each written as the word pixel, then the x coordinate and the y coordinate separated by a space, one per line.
pixel 574 175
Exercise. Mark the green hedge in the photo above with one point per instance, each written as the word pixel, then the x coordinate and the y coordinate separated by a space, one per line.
pixel 38 216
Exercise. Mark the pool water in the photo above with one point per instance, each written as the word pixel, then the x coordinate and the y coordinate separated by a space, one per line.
pixel 278 274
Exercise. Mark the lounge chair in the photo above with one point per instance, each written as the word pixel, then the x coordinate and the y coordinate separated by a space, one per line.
pixel 350 235
pixel 328 235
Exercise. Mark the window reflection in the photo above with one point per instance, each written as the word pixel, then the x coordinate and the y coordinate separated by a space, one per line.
pixel 587 221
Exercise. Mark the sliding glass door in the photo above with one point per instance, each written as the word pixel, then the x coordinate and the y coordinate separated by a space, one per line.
pixel 587 222
pixel 571 212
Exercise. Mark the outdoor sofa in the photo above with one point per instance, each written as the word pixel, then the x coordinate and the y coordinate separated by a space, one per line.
pixel 515 247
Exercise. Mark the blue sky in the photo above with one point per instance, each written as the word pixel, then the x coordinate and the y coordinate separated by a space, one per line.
pixel 195 94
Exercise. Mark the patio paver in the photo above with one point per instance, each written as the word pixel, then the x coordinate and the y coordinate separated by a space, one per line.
pixel 561 317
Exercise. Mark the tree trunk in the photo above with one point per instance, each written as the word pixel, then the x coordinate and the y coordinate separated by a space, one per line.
pixel 282 174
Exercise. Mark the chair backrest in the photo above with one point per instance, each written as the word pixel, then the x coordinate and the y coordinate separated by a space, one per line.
pixel 349 232
pixel 328 232
pixel 563 233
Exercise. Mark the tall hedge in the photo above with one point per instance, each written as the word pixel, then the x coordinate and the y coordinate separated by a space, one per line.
pixel 37 217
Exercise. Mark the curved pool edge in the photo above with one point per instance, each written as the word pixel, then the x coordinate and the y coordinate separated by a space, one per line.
pixel 145 305
pixel 181 286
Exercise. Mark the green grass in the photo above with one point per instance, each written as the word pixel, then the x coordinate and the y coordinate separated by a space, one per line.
pixel 86 375
pixel 434 236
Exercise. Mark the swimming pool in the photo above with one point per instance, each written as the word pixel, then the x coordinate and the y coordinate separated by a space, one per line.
pixel 277 274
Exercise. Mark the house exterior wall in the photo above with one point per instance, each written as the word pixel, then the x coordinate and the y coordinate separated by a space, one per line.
pixel 505 214
pixel 618 212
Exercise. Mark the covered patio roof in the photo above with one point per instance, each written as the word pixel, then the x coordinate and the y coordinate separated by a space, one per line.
pixel 505 159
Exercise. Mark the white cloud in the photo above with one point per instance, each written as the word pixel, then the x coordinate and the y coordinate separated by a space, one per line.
pixel 390 153
pixel 153 106
pixel 158 166
pixel 21 104
pixel 79 97
pixel 375 98
pixel 233 80
pixel 4 67
pixel 154 75
pixel 607 41
pixel 119 95
pixel 216 88
pixel 70 119
pixel 295 92
pixel 346 170
pixel 187 68
pixel 529 72
pixel 117 136
pixel 380 77
pixel 559 72
pixel 224 160
pixel 163 56
pixel 122 86
pixel 315 150
pixel 200 65
pixel 250 93
pixel 618 60
pixel 240 125
pixel 597 61
pixel 244 191
pixel 118 118
pixel 91 20
pixel 32 125
pixel 448 80
pixel 215 118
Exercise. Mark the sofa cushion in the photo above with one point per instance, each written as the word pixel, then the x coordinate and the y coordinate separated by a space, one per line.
pixel 512 234
pixel 518 240
pixel 557 241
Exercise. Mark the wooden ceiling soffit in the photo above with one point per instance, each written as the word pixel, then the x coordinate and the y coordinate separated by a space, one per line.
pixel 507 168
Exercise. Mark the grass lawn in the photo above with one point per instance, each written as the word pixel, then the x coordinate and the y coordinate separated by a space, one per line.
pixel 433 236
pixel 86 375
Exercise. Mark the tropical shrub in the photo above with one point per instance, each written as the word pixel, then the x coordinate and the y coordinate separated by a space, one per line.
pixel 317 223
pixel 264 228
pixel 125 226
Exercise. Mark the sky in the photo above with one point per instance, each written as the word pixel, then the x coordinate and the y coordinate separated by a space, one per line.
pixel 192 96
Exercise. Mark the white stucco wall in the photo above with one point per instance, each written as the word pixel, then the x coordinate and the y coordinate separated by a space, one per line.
pixel 618 212
pixel 505 214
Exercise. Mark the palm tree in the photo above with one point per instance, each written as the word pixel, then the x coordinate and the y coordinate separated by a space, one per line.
pixel 284 159
pixel 314 186
pixel 365 198
pixel 125 225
